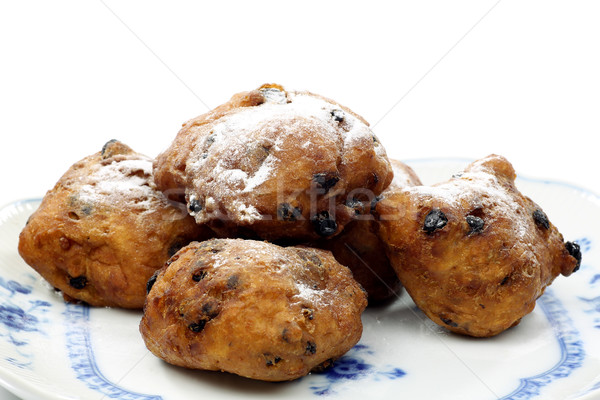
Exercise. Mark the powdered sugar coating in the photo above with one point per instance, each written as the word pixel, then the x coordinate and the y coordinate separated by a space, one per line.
pixel 122 180
pixel 233 136
pixel 480 186
pixel 311 295
pixel 287 262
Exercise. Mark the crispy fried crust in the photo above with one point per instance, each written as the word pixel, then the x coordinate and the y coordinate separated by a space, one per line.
pixel 473 252
pixel 359 247
pixel 253 309
pixel 104 229
pixel 274 164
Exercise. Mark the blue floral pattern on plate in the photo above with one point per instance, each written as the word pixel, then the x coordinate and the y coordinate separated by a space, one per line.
pixel 353 367
pixel 593 308
pixel 21 319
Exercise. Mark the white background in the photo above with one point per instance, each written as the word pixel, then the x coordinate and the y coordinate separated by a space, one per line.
pixel 434 78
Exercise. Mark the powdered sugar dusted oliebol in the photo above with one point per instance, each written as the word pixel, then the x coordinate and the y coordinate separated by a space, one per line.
pixel 271 130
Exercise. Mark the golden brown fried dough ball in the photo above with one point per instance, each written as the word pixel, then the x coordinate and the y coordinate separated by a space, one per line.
pixel 274 164
pixel 473 252
pixel 359 247
pixel 404 176
pixel 103 230
pixel 253 309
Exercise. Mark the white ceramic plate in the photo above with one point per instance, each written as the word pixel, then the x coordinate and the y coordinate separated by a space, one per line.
pixel 53 350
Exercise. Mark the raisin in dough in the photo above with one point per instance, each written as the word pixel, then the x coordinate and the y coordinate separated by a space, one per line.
pixel 473 252
pixel 359 247
pixel 274 164
pixel 103 230
pixel 252 308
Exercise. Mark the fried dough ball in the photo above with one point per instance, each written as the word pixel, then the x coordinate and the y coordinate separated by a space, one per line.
pixel 404 176
pixel 473 252
pixel 273 164
pixel 102 231
pixel 252 308
pixel 359 247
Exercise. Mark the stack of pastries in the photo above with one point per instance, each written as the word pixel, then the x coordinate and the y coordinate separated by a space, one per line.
pixel 254 241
